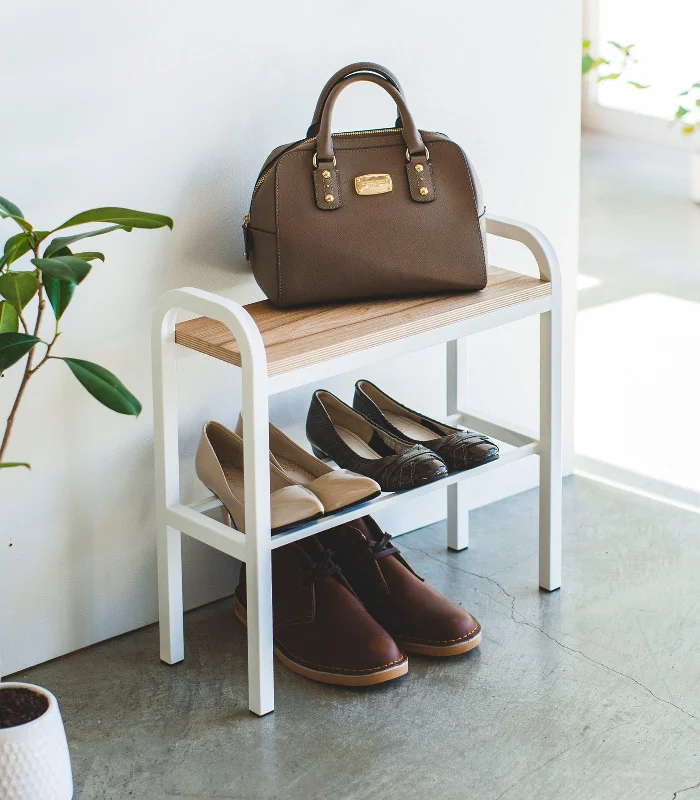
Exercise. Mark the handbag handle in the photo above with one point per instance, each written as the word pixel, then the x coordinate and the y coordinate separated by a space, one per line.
pixel 324 142
pixel 325 173
pixel 361 67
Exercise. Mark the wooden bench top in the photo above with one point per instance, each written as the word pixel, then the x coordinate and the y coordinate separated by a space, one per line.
pixel 298 337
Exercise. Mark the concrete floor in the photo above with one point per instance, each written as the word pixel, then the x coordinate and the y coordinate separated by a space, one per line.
pixel 590 692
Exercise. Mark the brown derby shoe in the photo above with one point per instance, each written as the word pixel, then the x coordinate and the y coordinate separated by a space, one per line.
pixel 420 619
pixel 321 629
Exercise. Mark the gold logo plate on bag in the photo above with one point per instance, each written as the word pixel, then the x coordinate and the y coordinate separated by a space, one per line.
pixel 378 183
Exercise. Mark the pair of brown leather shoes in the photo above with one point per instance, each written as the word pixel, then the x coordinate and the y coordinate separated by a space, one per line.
pixel 348 608
pixel 396 446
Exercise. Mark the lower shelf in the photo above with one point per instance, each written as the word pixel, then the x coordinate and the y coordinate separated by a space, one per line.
pixel 190 519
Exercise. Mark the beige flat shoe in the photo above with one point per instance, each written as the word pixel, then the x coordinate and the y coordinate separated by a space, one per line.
pixel 219 465
pixel 337 489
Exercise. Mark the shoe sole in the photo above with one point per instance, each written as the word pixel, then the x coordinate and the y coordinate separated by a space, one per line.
pixel 297 524
pixel 438 650
pixel 369 679
pixel 478 464
pixel 353 505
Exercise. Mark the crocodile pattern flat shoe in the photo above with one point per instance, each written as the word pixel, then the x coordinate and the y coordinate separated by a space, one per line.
pixel 354 442
pixel 460 449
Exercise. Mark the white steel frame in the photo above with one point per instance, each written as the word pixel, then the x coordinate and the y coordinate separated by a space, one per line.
pixel 256 545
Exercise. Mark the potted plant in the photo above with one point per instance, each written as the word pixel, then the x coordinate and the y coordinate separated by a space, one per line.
pixel 688 116
pixel 618 63
pixel 34 758
pixel 38 271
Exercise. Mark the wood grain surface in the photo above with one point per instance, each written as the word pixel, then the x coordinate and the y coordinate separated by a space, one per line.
pixel 298 337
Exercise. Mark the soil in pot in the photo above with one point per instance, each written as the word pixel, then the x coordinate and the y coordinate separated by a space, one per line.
pixel 18 706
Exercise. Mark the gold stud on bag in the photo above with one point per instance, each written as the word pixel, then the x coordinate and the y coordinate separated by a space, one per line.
pixel 370 213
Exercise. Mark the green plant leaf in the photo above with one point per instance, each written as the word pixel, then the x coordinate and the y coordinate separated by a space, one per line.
pixel 60 276
pixel 686 130
pixel 22 223
pixel 126 217
pixel 60 292
pixel 19 244
pixel 91 256
pixel 681 111
pixel 613 76
pixel 8 209
pixel 7 464
pixel 9 321
pixel 15 247
pixel 587 63
pixel 11 211
pixel 63 268
pixel 13 241
pixel 57 244
pixel 638 85
pixel 104 386
pixel 616 45
pixel 14 346
pixel 18 288
pixel 586 44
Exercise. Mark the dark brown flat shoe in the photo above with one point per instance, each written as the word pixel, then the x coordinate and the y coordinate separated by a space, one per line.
pixel 354 442
pixel 458 448
pixel 321 629
pixel 419 618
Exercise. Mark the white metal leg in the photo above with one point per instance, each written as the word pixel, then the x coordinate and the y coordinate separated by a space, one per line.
pixel 457 494
pixel 458 516
pixel 550 449
pixel 170 610
pixel 167 475
pixel 258 540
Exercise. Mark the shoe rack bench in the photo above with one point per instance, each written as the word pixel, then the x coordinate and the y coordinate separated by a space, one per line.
pixel 282 349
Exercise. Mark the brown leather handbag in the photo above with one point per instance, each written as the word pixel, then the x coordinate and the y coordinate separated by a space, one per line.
pixel 366 214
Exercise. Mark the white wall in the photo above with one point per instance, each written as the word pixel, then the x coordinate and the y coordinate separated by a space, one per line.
pixel 172 107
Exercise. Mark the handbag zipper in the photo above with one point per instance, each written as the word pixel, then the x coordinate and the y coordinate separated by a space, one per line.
pixel 264 175
pixel 246 236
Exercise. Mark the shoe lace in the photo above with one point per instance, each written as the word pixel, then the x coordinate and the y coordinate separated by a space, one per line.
pixel 320 568
pixel 383 547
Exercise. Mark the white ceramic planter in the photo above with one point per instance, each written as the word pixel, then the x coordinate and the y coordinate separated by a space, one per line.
pixel 695 176
pixel 34 758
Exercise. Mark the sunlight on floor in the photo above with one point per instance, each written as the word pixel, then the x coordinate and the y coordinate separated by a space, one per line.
pixel 638 387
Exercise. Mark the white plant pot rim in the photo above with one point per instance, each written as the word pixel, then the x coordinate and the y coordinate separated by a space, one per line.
pixel 53 703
